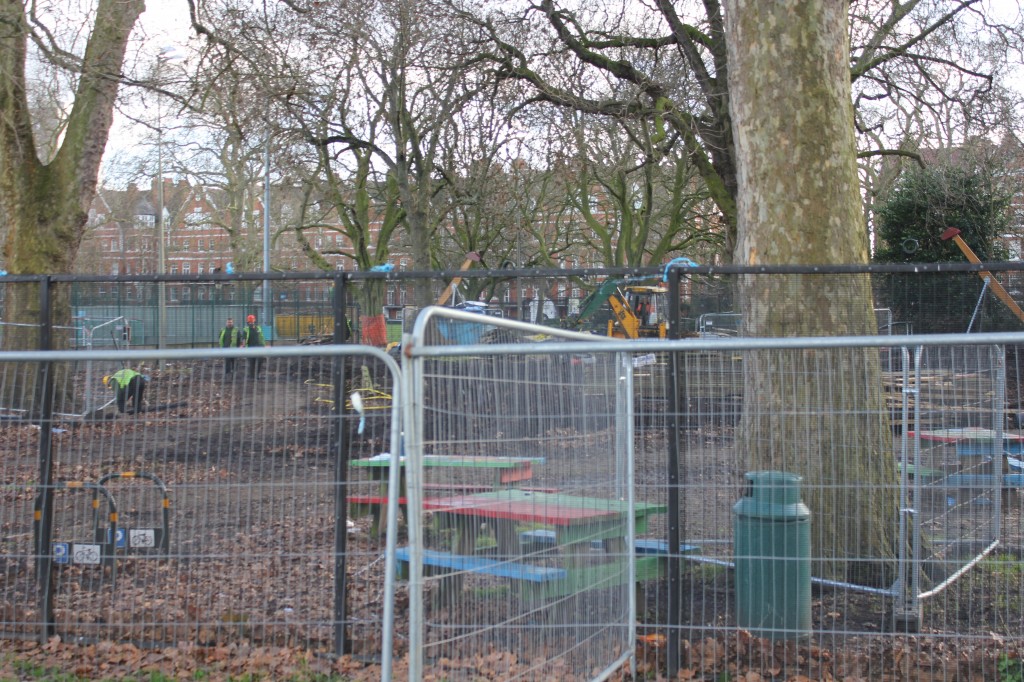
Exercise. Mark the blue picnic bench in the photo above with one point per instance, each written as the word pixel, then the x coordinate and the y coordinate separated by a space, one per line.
pixel 539 540
pixel 446 562
pixel 536 580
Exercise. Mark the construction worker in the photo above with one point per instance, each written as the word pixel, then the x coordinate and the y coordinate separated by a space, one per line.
pixel 127 384
pixel 252 337
pixel 230 338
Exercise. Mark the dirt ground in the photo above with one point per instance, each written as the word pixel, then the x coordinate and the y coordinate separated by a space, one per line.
pixel 250 469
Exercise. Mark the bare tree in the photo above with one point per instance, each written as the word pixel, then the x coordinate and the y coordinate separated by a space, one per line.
pixel 640 202
pixel 666 62
pixel 389 85
pixel 45 205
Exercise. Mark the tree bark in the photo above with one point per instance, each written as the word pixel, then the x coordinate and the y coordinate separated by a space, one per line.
pixel 817 413
pixel 44 207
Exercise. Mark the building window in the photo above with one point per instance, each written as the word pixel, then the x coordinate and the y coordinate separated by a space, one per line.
pixel 201 269
pixel 114 270
pixel 172 292
pixel 184 245
pixel 113 245
pixel 340 265
pixel 174 269
pixel 186 269
pixel 391 295
pixel 201 294
pixel 201 246
pixel 186 294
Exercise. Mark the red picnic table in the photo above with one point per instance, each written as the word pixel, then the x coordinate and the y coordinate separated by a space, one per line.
pixel 507 471
pixel 573 518
pixel 974 441
pixel 587 533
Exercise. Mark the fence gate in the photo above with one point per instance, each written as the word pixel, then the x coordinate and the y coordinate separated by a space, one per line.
pixel 520 460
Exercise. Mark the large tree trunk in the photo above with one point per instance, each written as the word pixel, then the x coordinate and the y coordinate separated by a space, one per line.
pixel 817 413
pixel 44 207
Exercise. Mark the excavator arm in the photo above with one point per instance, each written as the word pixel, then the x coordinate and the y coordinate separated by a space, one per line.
pixel 471 257
pixel 627 319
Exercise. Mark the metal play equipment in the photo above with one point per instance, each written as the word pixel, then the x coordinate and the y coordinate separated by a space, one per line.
pixel 990 281
pixel 120 334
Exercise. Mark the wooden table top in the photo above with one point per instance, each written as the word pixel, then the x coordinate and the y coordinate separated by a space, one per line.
pixel 552 509
pixel 965 434
pixel 454 461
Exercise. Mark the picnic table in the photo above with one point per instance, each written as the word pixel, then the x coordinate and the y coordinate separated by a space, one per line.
pixel 587 535
pixel 981 446
pixel 974 441
pixel 507 471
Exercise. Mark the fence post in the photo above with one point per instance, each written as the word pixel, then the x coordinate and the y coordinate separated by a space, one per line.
pixel 340 473
pixel 674 562
pixel 44 389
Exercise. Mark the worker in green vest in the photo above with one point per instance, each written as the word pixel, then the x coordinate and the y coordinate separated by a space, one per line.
pixel 252 337
pixel 230 337
pixel 128 385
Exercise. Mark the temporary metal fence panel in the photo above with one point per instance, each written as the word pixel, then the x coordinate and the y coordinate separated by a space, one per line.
pixel 965 467
pixel 520 454
pixel 887 549
pixel 217 514
pixel 950 520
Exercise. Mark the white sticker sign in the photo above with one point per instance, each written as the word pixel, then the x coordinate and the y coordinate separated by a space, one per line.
pixel 87 554
pixel 644 360
pixel 142 538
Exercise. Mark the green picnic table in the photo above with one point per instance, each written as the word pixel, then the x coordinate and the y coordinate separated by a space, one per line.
pixel 508 471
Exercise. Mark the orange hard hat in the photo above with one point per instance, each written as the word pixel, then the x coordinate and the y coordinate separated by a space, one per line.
pixel 251 318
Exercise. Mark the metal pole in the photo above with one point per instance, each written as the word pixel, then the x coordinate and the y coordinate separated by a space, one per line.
pixel 672 369
pixel 161 254
pixel 44 389
pixel 266 233
pixel 340 474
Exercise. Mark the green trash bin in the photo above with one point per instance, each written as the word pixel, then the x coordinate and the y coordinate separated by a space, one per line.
pixel 772 544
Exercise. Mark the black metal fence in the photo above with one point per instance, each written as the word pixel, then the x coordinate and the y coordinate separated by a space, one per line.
pixel 297 307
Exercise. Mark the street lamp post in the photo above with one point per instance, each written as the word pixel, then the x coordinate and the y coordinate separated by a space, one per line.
pixel 267 303
pixel 161 255
pixel 167 54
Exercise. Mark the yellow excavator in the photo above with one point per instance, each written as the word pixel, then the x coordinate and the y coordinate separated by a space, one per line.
pixel 638 311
